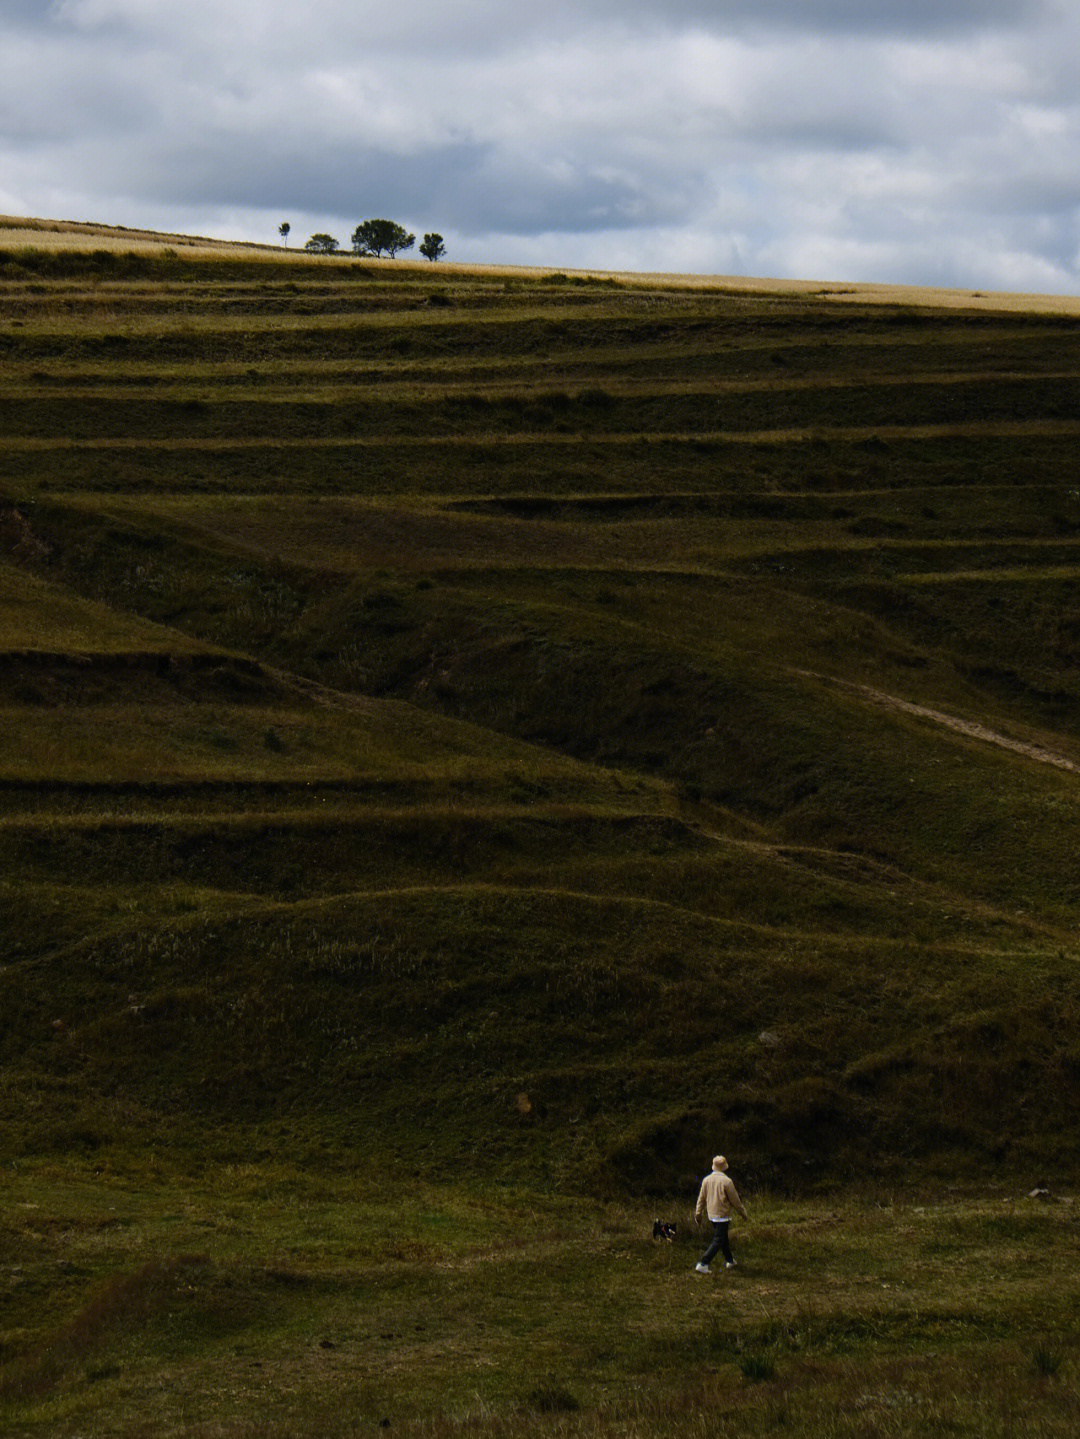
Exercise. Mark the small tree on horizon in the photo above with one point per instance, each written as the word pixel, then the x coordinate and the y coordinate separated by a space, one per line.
pixel 433 248
pixel 377 237
pixel 283 230
pixel 321 244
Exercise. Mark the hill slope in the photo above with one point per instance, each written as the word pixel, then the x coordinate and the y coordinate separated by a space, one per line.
pixel 486 717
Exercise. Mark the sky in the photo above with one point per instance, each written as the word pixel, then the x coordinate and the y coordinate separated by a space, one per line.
pixel 901 141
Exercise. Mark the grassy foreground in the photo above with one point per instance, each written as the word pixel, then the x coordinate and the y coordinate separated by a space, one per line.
pixel 475 744
pixel 261 1302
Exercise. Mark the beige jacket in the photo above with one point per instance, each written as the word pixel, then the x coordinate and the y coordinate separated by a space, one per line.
pixel 719 1196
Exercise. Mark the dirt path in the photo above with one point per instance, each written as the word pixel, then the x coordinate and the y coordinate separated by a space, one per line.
pixel 970 728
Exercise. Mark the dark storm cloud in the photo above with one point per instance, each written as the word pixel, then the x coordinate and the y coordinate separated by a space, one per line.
pixel 578 199
pixel 881 17
pixel 489 23
pixel 467 185
pixel 339 177
pixel 27 14
pixel 87 92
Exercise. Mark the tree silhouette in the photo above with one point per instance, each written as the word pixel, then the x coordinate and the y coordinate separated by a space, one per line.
pixel 377 237
pixel 433 248
pixel 321 244
pixel 283 230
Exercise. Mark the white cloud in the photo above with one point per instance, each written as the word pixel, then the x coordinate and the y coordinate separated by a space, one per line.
pixel 860 139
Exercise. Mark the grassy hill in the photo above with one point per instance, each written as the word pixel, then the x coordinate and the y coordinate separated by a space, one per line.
pixel 493 723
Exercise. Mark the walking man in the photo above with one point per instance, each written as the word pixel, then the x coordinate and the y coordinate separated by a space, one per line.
pixel 719 1196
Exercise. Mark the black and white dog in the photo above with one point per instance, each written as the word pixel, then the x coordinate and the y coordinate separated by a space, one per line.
pixel 663 1229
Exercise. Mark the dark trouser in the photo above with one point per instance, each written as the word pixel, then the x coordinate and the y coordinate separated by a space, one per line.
pixel 720 1229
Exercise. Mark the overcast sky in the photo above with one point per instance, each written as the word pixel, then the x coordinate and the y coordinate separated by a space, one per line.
pixel 922 141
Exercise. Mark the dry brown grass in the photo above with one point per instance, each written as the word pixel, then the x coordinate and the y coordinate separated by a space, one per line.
pixel 18 231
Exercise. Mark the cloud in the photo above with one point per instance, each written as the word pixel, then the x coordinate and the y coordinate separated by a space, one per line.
pixel 871 140
pixel 28 14
pixel 498 21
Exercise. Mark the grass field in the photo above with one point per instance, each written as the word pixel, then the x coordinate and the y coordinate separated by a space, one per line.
pixel 252 1302
pixel 475 743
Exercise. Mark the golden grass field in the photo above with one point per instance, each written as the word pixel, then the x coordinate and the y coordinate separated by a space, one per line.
pixel 17 232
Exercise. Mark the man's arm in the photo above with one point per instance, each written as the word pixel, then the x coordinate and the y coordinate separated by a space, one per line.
pixel 700 1203
pixel 736 1202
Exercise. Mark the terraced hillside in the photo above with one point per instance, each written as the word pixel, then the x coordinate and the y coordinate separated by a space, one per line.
pixel 480 717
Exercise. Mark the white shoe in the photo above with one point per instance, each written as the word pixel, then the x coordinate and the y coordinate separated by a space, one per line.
pixel 732 1264
pixel 701 1269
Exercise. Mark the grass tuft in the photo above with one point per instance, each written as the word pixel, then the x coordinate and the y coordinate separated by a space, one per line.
pixel 552 1399
pixel 1046 1361
pixel 757 1368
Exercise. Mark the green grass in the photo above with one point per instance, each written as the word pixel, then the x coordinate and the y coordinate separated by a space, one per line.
pixel 267 1301
pixel 38 616
pixel 480 523
pixel 473 745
